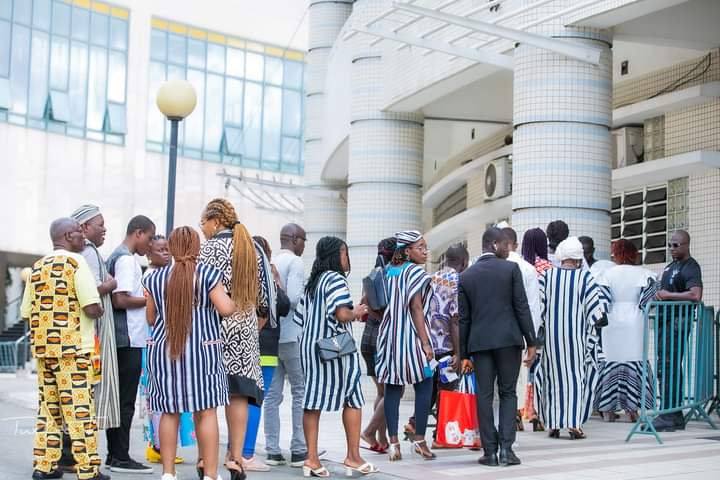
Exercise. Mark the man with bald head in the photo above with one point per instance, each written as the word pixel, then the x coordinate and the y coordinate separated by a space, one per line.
pixel 61 302
pixel 292 274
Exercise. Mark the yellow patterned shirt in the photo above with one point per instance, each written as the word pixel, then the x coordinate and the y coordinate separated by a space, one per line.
pixel 60 285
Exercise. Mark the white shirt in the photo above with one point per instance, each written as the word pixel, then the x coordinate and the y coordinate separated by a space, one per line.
pixel 292 273
pixel 129 275
pixel 532 287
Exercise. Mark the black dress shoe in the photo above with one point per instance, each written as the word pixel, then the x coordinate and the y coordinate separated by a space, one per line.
pixel 38 475
pixel 508 457
pixel 489 460
pixel 664 424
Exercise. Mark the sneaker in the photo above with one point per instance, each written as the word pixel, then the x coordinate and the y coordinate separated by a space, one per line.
pixel 664 424
pixel 254 464
pixel 275 459
pixel 38 475
pixel 297 460
pixel 129 466
pixel 168 476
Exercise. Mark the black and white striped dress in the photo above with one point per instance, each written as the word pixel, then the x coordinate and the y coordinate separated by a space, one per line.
pixel 197 379
pixel 331 385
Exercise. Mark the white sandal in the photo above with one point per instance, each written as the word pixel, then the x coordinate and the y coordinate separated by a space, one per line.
pixel 321 471
pixel 365 469
pixel 395 453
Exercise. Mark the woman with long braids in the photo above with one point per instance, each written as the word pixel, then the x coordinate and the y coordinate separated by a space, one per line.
pixel 185 368
pixel 404 352
pixel 247 278
pixel 325 313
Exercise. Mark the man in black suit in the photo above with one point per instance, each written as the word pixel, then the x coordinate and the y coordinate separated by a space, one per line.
pixel 494 320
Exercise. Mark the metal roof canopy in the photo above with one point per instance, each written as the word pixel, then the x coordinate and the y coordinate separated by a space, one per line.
pixel 428 28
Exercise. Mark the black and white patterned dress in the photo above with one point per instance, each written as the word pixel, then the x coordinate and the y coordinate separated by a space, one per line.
pixel 241 347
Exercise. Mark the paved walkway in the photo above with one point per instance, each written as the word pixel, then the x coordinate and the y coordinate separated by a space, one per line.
pixel 690 455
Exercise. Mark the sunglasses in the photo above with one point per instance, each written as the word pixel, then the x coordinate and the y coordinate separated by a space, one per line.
pixel 675 245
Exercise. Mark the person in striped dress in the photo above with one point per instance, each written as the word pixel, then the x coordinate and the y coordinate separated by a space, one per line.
pixel 184 359
pixel 326 311
pixel 572 305
pixel 404 351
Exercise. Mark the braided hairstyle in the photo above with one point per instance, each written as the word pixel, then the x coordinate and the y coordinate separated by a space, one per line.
pixel 385 250
pixel 534 245
pixel 327 258
pixel 624 252
pixel 184 246
pixel 244 283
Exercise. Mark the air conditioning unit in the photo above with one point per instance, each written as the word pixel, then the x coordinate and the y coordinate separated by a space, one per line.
pixel 629 146
pixel 498 179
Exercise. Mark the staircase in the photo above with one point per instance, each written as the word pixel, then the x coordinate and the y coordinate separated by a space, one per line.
pixel 14 347
pixel 12 333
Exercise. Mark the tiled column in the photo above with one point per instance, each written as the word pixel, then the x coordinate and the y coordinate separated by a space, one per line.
pixel 386 150
pixel 562 144
pixel 325 205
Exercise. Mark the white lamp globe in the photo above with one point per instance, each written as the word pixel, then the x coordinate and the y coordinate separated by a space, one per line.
pixel 176 99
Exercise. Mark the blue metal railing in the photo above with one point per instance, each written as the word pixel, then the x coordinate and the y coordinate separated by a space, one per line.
pixel 679 342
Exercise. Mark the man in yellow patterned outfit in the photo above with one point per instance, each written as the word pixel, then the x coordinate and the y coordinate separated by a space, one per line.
pixel 61 302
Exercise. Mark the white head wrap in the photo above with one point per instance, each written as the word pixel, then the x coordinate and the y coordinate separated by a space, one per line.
pixel 569 249
pixel 406 238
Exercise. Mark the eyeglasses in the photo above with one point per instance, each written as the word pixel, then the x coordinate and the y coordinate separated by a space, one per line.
pixel 675 245
pixel 420 249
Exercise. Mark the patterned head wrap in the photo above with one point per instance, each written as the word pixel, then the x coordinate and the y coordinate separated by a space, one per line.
pixel 569 249
pixel 85 213
pixel 406 238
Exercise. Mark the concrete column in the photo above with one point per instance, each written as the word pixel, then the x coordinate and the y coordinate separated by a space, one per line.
pixel 562 144
pixel 386 154
pixel 325 205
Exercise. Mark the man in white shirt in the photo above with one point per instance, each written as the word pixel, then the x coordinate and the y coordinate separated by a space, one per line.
pixel 532 291
pixel 292 273
pixel 131 330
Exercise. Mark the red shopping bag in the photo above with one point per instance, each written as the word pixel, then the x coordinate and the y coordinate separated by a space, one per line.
pixel 457 424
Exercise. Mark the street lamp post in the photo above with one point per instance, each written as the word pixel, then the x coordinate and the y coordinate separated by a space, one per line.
pixel 176 100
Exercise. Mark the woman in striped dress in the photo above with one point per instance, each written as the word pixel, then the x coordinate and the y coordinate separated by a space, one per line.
pixel 572 305
pixel 185 367
pixel 326 311
pixel 621 381
pixel 403 347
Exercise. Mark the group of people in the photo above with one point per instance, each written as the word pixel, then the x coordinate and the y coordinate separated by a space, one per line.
pixel 224 323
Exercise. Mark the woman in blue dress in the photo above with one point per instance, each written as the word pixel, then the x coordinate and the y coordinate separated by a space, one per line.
pixel 185 365
pixel 326 311
pixel 404 352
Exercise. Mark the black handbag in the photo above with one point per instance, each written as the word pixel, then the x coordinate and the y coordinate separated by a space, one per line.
pixel 336 347
pixel 282 303
pixel 540 337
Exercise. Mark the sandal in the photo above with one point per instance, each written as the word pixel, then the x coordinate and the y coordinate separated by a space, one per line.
pixel 365 469
pixel 235 473
pixel 395 453
pixel 417 450
pixel 379 448
pixel 576 434
pixel 200 469
pixel 321 471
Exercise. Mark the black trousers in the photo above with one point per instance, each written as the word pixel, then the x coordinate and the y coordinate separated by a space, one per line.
pixel 502 364
pixel 672 343
pixel 129 371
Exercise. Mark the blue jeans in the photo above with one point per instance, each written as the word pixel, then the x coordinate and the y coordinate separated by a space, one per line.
pixel 423 397
pixel 254 413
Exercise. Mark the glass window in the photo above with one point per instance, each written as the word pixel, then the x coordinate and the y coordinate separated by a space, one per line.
pixel 115 119
pixel 292 113
pixel 39 74
pixel 252 118
pixel 216 58
pixel 6 9
pixel 273 70
pixel 233 141
pixel 61 18
pixel 175 73
pixel 293 74
pixel 233 101
pixel 99 27
pixel 59 106
pixel 176 49
pixel 4 94
pixel 235 62
pixel 41 14
pixel 80 24
pixel 272 114
pixel 196 53
pixel 290 150
pixel 22 10
pixel 254 66
pixel 4 50
pixel 97 83
pixel 156 121
pixel 78 83
pixel 194 124
pixel 213 113
pixel 118 34
pixel 59 62
pixel 116 77
pixel 158 44
pixel 19 71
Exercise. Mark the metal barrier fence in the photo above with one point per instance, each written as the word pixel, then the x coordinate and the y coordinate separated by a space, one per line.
pixel 679 344
pixel 714 405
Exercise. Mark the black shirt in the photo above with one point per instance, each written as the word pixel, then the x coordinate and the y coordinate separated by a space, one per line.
pixel 681 276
